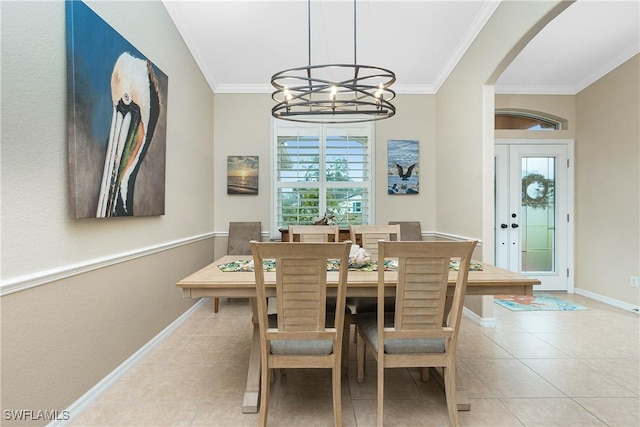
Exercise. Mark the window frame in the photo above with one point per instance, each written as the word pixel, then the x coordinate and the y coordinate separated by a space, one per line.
pixel 280 128
pixel 556 123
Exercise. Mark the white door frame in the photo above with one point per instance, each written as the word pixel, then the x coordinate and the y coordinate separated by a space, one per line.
pixel 502 165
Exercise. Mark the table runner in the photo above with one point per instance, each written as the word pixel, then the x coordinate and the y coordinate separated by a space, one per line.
pixel 332 265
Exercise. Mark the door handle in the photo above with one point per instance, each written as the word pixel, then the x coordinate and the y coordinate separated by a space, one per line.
pixel 514 225
pixel 504 226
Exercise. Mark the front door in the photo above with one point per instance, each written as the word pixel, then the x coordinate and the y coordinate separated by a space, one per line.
pixel 532 215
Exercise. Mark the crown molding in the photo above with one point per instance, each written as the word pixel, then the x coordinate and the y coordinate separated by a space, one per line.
pixel 254 88
pixel 535 90
pixel 478 24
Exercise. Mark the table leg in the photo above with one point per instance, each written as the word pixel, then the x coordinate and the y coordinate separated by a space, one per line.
pixel 251 399
pixel 464 404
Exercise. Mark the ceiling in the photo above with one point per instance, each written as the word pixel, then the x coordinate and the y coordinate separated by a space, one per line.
pixel 240 44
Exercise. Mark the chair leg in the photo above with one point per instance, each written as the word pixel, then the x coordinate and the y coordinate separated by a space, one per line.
pixel 337 394
pixel 450 393
pixel 265 384
pixel 425 374
pixel 360 357
pixel 345 348
pixel 216 304
pixel 380 391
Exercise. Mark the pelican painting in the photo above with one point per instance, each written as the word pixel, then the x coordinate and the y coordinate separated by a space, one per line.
pixel 117 113
pixel 134 92
pixel 403 169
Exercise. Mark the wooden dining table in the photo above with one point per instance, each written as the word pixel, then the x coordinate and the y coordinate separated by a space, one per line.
pixel 212 281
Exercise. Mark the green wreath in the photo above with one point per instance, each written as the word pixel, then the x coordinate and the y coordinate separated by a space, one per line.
pixel 536 191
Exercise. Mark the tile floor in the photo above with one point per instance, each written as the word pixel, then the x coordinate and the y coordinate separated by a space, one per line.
pixel 550 368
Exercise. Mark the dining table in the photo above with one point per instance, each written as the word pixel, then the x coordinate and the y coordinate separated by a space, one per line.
pixel 231 276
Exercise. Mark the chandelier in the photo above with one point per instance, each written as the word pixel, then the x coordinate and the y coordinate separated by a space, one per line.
pixel 333 93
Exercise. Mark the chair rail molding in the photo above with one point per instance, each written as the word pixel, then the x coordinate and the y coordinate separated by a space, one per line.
pixel 39 278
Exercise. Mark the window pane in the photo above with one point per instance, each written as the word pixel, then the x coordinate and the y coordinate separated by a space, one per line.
pixel 524 122
pixel 347 158
pixel 350 205
pixel 298 159
pixel 538 214
pixel 297 205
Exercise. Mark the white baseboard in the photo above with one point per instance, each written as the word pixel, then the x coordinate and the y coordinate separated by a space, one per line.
pixel 607 300
pixel 76 407
pixel 487 322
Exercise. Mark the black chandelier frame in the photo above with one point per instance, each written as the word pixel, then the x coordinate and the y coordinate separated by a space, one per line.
pixel 312 94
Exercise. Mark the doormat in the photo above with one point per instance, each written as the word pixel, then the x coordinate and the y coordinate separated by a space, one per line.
pixel 536 302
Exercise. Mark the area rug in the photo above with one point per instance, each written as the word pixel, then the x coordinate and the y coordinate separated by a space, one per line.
pixel 536 302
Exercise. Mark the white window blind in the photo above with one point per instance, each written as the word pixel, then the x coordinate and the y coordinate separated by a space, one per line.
pixel 320 169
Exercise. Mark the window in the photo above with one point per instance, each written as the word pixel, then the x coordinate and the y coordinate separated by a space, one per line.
pixel 525 121
pixel 322 169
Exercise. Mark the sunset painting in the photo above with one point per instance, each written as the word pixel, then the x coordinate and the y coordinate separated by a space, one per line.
pixel 242 174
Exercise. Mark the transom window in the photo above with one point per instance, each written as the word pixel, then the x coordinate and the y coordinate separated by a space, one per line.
pixel 322 169
pixel 525 121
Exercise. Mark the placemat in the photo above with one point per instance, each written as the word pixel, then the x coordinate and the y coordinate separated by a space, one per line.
pixel 332 265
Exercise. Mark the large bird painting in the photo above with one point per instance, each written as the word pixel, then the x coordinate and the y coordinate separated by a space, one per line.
pixel 403 169
pixel 117 105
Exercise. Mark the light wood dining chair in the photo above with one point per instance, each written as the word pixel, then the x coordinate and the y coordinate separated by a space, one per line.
pixel 411 230
pixel 239 243
pixel 325 233
pixel 420 332
pixel 368 236
pixel 302 334
pixel 314 233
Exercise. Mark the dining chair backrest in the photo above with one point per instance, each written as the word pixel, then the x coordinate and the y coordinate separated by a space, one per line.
pixel 423 277
pixel 301 335
pixel 411 230
pixel 369 235
pixel 239 243
pixel 314 233
pixel 422 331
pixel 240 236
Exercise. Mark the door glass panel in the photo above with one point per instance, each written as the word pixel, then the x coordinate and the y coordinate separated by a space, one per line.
pixel 538 214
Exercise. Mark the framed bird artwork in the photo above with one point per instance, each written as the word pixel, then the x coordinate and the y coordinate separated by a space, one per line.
pixel 403 167
pixel 117 114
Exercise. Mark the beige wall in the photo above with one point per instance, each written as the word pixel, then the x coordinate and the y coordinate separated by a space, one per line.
pixel 104 287
pixel 243 127
pixel 607 210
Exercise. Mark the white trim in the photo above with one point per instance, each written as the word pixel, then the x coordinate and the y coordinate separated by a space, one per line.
pixel 570 89
pixel 449 236
pixel 608 300
pixel 503 89
pixel 485 322
pixel 467 40
pixel 225 233
pixel 32 280
pixel 322 131
pixel 268 89
pixel 530 141
pixel 570 177
pixel 79 405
